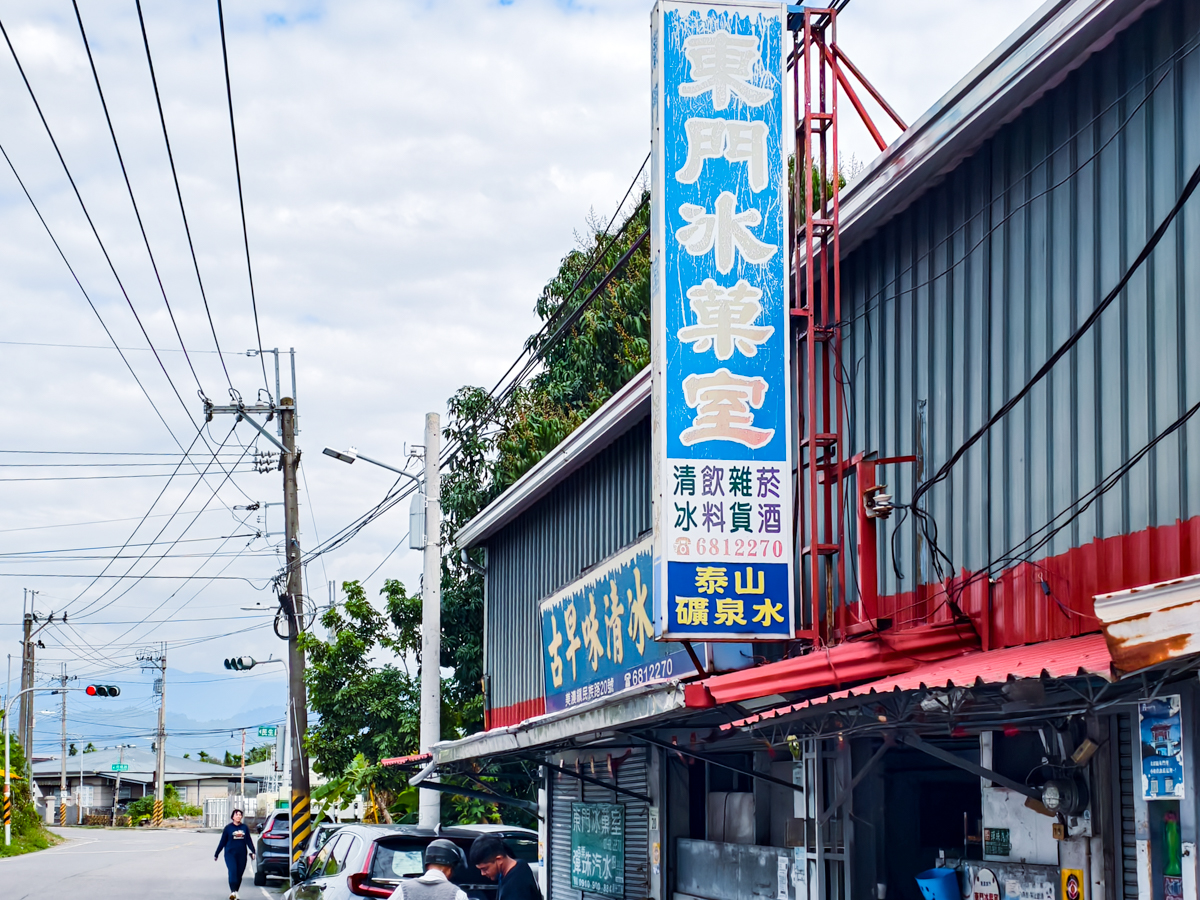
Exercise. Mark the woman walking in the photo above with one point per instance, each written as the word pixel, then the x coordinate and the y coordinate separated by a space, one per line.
pixel 236 842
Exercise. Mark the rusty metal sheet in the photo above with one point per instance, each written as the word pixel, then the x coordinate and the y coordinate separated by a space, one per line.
pixel 1148 625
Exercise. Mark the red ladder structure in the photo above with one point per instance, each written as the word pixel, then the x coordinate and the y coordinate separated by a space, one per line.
pixel 819 68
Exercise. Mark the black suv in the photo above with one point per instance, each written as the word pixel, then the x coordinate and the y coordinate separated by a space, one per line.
pixel 273 853
pixel 371 860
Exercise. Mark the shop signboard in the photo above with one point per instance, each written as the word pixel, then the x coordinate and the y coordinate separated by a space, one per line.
pixel 719 294
pixel 1161 731
pixel 598 848
pixel 597 635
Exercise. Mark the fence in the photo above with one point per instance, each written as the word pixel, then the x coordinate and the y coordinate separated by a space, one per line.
pixel 218 810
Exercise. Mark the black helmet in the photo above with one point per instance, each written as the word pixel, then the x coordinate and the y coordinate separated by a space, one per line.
pixel 443 853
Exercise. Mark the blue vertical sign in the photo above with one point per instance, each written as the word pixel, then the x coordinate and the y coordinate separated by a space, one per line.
pixel 719 294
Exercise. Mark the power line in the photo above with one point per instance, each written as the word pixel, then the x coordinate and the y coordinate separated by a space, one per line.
pixel 241 200
pixel 132 199
pixel 178 191
pixel 104 250
pixel 103 347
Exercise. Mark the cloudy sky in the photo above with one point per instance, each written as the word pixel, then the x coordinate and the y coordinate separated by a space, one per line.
pixel 413 173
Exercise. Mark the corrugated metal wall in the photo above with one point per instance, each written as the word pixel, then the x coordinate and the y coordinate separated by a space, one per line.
pixel 958 300
pixel 598 510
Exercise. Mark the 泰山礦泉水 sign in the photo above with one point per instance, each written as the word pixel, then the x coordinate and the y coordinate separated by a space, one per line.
pixel 719 294
pixel 598 848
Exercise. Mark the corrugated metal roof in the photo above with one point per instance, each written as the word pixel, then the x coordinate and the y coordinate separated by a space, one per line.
pixel 1032 60
pixel 882 654
pixel 604 426
pixel 1086 655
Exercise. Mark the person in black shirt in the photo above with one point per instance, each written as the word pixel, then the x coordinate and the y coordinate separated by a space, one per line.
pixel 491 857
pixel 236 842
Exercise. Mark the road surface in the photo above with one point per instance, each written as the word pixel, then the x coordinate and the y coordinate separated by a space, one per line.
pixel 126 864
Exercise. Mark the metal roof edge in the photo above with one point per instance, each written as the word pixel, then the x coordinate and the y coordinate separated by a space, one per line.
pixel 1036 57
pixel 600 429
pixel 645 702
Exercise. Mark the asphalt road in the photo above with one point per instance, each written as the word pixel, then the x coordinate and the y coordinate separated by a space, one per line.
pixel 99 864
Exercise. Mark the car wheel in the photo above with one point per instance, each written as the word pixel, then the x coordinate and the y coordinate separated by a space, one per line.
pixel 260 878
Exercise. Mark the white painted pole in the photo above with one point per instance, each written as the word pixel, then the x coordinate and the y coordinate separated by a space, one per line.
pixel 430 814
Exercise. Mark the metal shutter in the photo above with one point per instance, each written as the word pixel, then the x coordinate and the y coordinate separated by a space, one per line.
pixel 564 791
pixel 631 775
pixel 1127 854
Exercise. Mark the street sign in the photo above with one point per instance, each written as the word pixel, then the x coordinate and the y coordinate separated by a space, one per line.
pixel 120 767
pixel 267 730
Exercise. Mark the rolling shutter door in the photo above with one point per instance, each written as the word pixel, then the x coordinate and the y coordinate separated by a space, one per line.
pixel 564 791
pixel 1127 851
pixel 631 775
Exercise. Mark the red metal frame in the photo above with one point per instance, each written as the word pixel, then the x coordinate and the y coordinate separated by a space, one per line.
pixel 816 259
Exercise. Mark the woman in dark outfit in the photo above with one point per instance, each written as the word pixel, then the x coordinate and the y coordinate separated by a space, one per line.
pixel 236 842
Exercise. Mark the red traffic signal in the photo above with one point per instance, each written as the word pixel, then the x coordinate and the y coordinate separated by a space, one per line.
pixel 103 690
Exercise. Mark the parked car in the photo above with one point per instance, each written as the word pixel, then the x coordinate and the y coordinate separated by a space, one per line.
pixel 317 839
pixel 371 860
pixel 273 854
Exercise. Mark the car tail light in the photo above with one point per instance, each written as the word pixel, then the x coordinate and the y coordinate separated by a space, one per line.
pixel 360 888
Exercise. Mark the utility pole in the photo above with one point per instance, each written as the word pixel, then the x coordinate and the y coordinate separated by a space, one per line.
pixel 160 744
pixel 62 783
pixel 430 808
pixel 242 787
pixel 291 598
pixel 117 789
pixel 294 606
pixel 24 719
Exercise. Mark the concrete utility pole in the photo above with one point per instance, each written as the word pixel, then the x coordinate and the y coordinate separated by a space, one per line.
pixel 117 789
pixel 25 717
pixel 62 783
pixel 294 607
pixel 291 600
pixel 160 743
pixel 430 814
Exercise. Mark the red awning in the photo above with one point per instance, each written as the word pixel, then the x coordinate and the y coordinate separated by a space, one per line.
pixel 854 661
pixel 407 760
pixel 1086 655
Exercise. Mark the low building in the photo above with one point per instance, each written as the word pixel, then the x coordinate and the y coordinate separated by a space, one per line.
pixel 94 778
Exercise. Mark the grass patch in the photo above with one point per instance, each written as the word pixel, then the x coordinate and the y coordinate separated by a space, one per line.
pixel 29 841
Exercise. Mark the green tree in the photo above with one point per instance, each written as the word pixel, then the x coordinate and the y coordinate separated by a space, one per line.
pixel 605 346
pixel 90 748
pixel 173 808
pixel 73 751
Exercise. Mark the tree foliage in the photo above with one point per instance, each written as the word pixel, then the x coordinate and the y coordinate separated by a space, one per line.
pixel 498 442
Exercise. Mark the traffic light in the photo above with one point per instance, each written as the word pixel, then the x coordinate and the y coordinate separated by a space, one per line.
pixel 241 663
pixel 103 690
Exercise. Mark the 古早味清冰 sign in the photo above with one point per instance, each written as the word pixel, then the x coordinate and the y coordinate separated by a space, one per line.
pixel 719 295
pixel 598 848
pixel 597 634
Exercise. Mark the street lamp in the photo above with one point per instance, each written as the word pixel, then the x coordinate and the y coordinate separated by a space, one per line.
pixel 431 597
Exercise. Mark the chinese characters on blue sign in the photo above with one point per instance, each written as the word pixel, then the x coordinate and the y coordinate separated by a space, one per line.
pixel 1161 729
pixel 597 635
pixel 719 285
pixel 598 848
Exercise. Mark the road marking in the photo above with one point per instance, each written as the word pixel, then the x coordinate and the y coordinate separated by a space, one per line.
pixel 265 894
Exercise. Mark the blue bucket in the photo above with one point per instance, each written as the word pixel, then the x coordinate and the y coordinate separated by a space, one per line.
pixel 939 884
